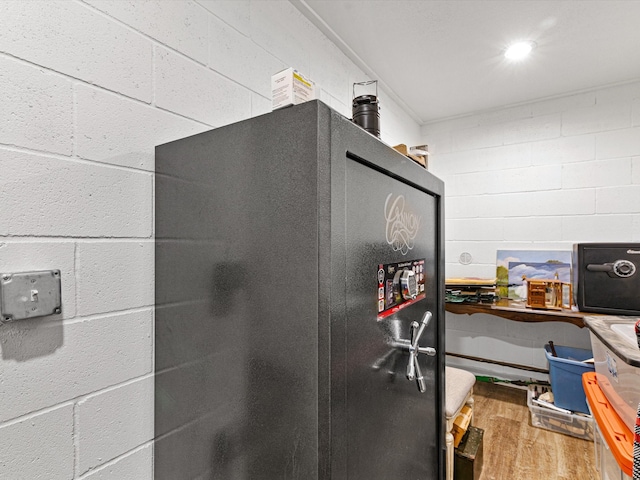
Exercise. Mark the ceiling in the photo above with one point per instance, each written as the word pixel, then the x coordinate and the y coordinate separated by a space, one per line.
pixel 444 58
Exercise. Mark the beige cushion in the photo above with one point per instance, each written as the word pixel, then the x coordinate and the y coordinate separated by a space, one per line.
pixel 458 384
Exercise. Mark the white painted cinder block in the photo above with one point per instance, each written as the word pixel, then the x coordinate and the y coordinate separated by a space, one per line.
pixel 114 276
pixel 460 342
pixel 619 93
pixel 535 228
pixel 505 157
pixel 635 170
pixel 137 465
pixel 635 228
pixel 71 38
pixel 490 206
pixel 438 142
pixel 475 229
pixel 455 163
pixel 597 228
pixel 530 179
pixel 461 207
pixel 571 336
pixel 504 115
pixel 482 324
pixel 239 58
pixel 37 106
pixel 618 143
pixel 536 333
pixel 39 447
pixel 323 96
pixel 346 110
pixel 520 351
pixel 236 13
pixel 180 25
pixel 554 202
pixel 119 131
pixel 47 363
pixel 469 184
pixel 622 199
pixel 601 173
pixel 456 322
pixel 337 80
pixel 27 256
pixel 259 105
pixel 532 129
pixel 558 245
pixel 635 113
pixel 124 417
pixel 195 91
pixel 561 104
pixel 597 118
pixel 284 32
pixel 564 150
pixel 478 137
pixel 396 126
pixel 481 252
pixel 60 197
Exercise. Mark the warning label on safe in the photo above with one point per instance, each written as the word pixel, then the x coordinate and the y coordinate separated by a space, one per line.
pixel 399 285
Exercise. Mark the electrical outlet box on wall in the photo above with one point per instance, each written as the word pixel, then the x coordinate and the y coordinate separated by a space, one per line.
pixel 29 294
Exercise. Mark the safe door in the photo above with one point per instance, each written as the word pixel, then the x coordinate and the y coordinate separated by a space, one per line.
pixel 393 420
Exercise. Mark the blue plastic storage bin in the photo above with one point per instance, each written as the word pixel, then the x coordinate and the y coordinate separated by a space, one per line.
pixel 565 372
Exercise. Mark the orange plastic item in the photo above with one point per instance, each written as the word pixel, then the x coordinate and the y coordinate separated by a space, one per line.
pixel 613 429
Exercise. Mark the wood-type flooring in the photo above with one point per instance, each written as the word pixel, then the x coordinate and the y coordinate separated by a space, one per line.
pixel 513 449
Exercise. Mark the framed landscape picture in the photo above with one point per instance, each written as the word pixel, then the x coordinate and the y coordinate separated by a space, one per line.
pixel 513 266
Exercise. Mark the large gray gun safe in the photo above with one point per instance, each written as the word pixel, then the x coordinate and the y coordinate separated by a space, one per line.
pixel 297 257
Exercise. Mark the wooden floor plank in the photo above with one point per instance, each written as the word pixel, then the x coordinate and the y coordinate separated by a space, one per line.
pixel 514 449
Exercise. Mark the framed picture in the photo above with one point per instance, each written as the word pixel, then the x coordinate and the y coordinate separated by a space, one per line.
pixel 514 266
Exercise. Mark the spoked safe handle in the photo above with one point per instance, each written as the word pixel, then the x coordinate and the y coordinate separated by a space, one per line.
pixel 413 367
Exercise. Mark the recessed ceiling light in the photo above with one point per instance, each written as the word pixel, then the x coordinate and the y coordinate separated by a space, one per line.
pixel 519 50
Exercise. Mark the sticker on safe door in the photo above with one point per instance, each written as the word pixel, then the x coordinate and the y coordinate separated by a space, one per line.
pixel 399 285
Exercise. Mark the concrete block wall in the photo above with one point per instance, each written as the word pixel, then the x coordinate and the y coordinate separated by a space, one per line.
pixel 540 176
pixel 88 89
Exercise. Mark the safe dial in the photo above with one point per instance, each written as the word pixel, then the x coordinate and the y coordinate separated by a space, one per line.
pixel 407 283
pixel 624 268
pixel 620 268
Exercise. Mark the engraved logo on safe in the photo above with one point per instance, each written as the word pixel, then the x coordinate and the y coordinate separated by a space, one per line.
pixel 402 224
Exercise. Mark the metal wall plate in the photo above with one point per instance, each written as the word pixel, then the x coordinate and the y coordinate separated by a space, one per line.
pixel 29 294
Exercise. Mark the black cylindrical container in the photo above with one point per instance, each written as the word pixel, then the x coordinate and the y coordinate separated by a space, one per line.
pixel 366 113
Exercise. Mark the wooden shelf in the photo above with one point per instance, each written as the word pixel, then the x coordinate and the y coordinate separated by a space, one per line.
pixel 518 312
